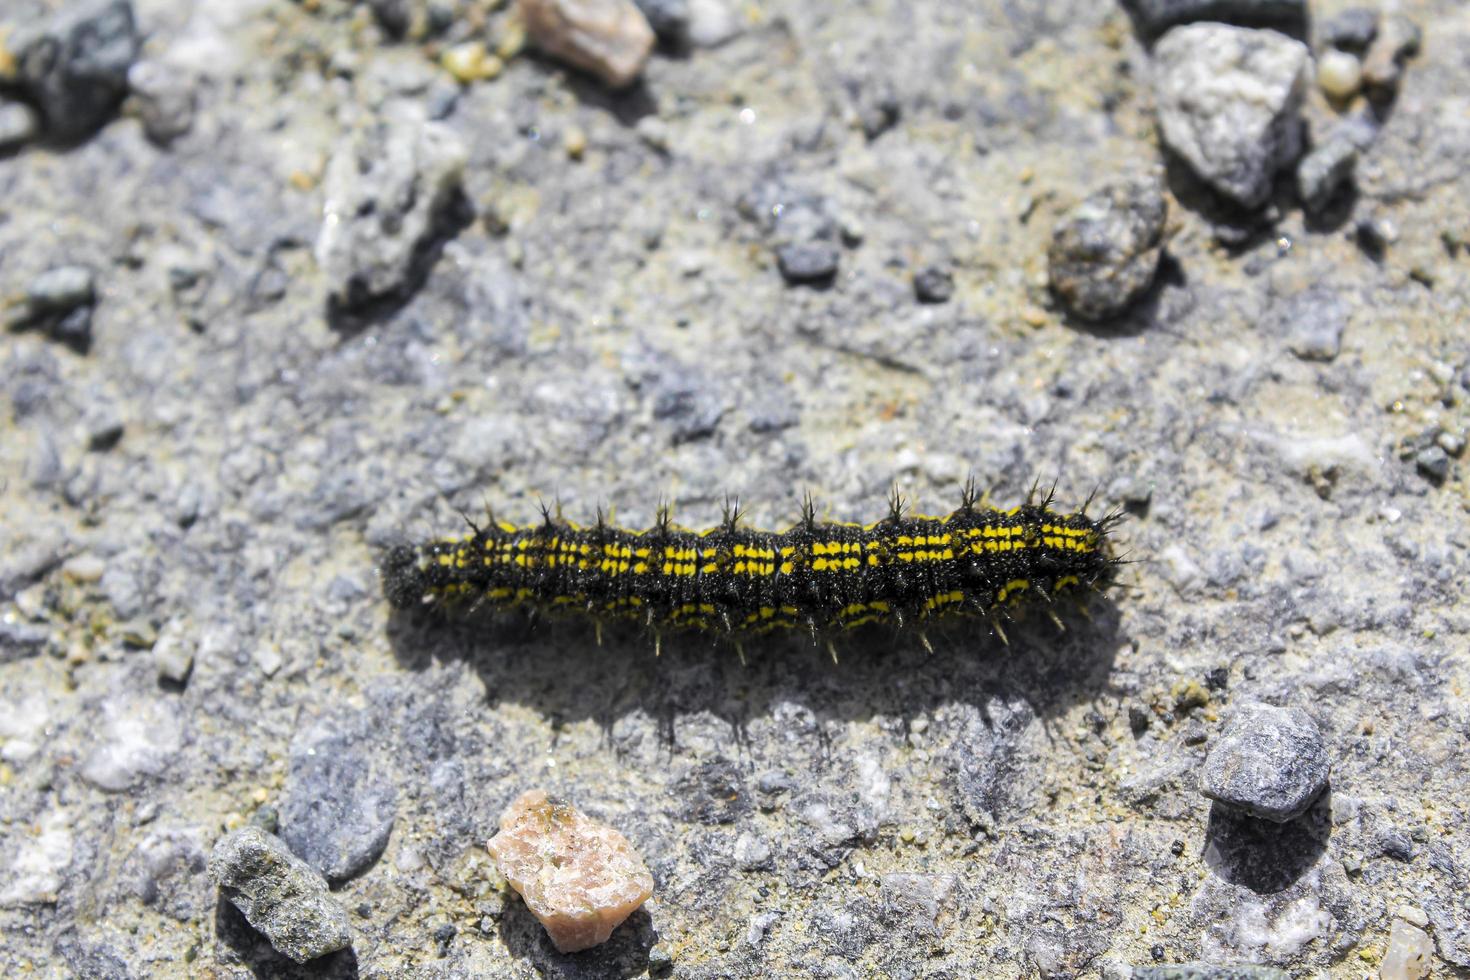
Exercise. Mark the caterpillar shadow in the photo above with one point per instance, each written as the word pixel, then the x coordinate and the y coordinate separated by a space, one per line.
pixel 560 669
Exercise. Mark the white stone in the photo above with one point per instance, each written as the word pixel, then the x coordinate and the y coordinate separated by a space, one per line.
pixel 1339 74
pixel 269 659
pixel 22 726
pixel 135 740
pixel 1228 101
pixel 173 652
pixel 711 23
pixel 1410 952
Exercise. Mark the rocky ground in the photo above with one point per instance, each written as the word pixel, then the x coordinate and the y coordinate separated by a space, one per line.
pixel 286 283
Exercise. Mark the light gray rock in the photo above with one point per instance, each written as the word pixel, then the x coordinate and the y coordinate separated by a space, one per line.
pixel 1323 171
pixel 1270 762
pixel 164 97
pixel 133 741
pixel 1313 323
pixel 1228 101
pixel 279 894
pixel 338 812
pixel 389 189
pixel 75 66
pixel 1105 252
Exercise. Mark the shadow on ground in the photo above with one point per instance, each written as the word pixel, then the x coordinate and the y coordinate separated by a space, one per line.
pixel 559 669
pixel 1263 856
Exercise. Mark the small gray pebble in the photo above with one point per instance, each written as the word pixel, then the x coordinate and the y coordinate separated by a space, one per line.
pixel 1434 463
pixel 1395 845
pixel 1313 323
pixel 1352 29
pixel 1270 762
pixel 1322 172
pixel 165 100
pixel 75 67
pixel 279 894
pixel 808 263
pixel 1105 253
pixel 933 284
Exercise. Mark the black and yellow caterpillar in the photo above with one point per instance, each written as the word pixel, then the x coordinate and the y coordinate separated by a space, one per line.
pixel 730 580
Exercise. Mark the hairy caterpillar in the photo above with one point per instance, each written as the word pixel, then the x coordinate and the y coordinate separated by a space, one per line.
pixel 816 576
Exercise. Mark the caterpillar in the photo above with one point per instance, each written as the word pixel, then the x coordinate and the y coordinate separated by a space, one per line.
pixel 733 581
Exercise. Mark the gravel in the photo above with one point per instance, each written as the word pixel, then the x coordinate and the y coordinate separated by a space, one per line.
pixel 279 895
pixel 1269 762
pixel 1228 102
pixel 1105 252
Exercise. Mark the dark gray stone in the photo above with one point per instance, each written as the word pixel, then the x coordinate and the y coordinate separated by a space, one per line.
pixel 279 895
pixel 75 68
pixel 1228 100
pixel 668 18
pixel 1105 253
pixel 1324 171
pixel 1352 29
pixel 1270 762
pixel 394 16
pixel 1206 971
pixel 61 290
pixel 808 263
pixel 1153 17
pixel 933 284
pixel 338 812
pixel 1434 463
pixel 713 792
